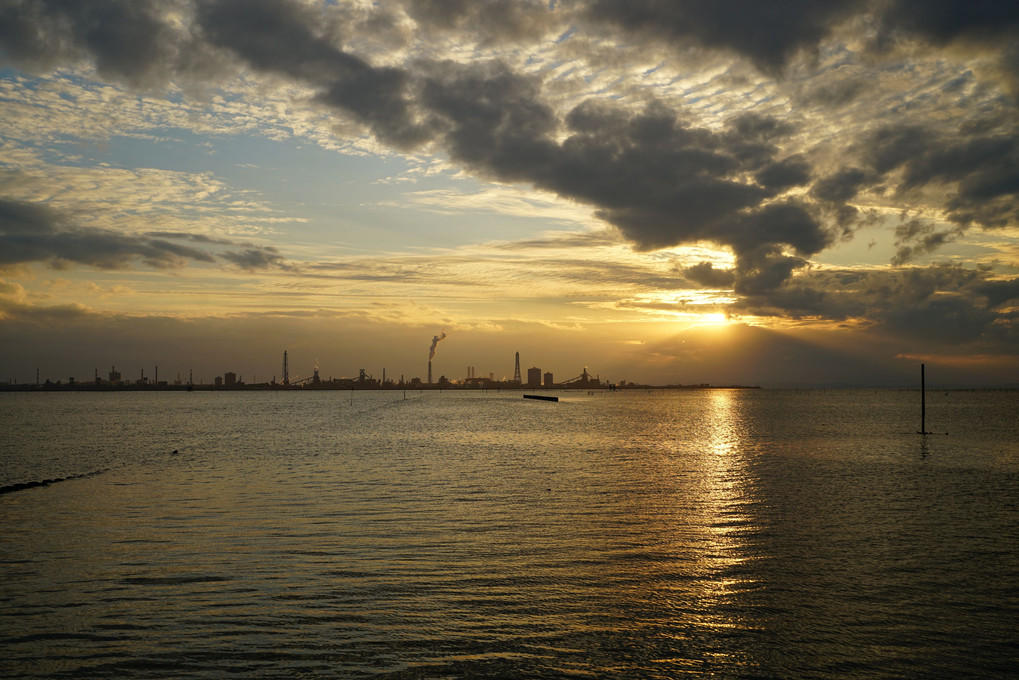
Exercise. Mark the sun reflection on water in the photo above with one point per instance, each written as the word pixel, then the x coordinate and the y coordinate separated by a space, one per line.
pixel 725 523
pixel 694 529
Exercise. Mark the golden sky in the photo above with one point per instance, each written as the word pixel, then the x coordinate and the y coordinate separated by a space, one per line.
pixel 768 193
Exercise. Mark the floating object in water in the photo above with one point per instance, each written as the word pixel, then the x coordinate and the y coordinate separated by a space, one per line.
pixel 542 397
pixel 45 482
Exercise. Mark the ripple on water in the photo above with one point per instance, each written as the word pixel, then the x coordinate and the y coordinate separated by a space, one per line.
pixel 729 534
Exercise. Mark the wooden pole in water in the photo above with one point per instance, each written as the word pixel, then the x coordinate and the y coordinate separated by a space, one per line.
pixel 923 402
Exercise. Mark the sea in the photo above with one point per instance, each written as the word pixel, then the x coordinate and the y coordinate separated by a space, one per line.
pixel 708 533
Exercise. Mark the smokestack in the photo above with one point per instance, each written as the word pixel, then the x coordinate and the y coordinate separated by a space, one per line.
pixel 431 352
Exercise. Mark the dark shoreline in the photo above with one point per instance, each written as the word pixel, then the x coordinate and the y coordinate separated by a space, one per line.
pixel 347 386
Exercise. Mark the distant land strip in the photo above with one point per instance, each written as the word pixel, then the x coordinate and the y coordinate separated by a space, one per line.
pixel 341 385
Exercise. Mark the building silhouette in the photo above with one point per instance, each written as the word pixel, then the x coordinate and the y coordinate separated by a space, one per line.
pixel 534 377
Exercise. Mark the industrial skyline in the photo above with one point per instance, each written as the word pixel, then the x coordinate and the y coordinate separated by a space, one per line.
pixel 231 379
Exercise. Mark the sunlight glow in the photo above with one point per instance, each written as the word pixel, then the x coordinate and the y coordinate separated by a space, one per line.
pixel 714 319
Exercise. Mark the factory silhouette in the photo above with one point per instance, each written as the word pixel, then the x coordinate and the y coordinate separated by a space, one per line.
pixel 364 380
pixel 536 379
pixel 232 381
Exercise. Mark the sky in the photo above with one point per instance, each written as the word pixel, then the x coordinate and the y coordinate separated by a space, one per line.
pixel 662 191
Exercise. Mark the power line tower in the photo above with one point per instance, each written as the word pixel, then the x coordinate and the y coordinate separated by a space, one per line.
pixel 286 371
pixel 516 370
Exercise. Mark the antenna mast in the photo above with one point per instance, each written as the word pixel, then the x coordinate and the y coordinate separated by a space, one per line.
pixel 923 402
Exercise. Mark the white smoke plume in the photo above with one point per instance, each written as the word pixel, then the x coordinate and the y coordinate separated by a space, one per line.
pixel 435 341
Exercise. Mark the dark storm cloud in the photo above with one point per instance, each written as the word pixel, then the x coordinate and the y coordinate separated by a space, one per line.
pixel 490 20
pixel 841 186
pixel 974 179
pixel 34 233
pixel 999 292
pixel 762 270
pixel 983 167
pixel 931 307
pixel 784 174
pixel 704 274
pixel 129 40
pixel 769 33
pixel 284 37
pixel 660 181
pixel 947 319
pixel 491 119
pixel 945 20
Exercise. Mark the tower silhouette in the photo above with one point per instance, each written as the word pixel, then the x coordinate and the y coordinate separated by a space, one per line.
pixel 516 370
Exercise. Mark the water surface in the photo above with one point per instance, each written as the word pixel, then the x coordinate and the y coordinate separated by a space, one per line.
pixel 715 533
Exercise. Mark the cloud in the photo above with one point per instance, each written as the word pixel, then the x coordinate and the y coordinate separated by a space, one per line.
pixel 784 174
pixel 285 37
pixel 492 21
pixel 135 41
pixel 33 232
pixel 661 180
pixel 948 320
pixel 250 257
pixel 897 125
pixel 564 240
pixel 982 169
pixel 841 186
pixel 937 306
pixel 999 292
pixel 916 237
pixel 769 34
pixel 704 274
pixel 942 21
pixel 253 258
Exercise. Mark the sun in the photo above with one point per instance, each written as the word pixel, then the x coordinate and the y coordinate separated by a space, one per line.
pixel 714 319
